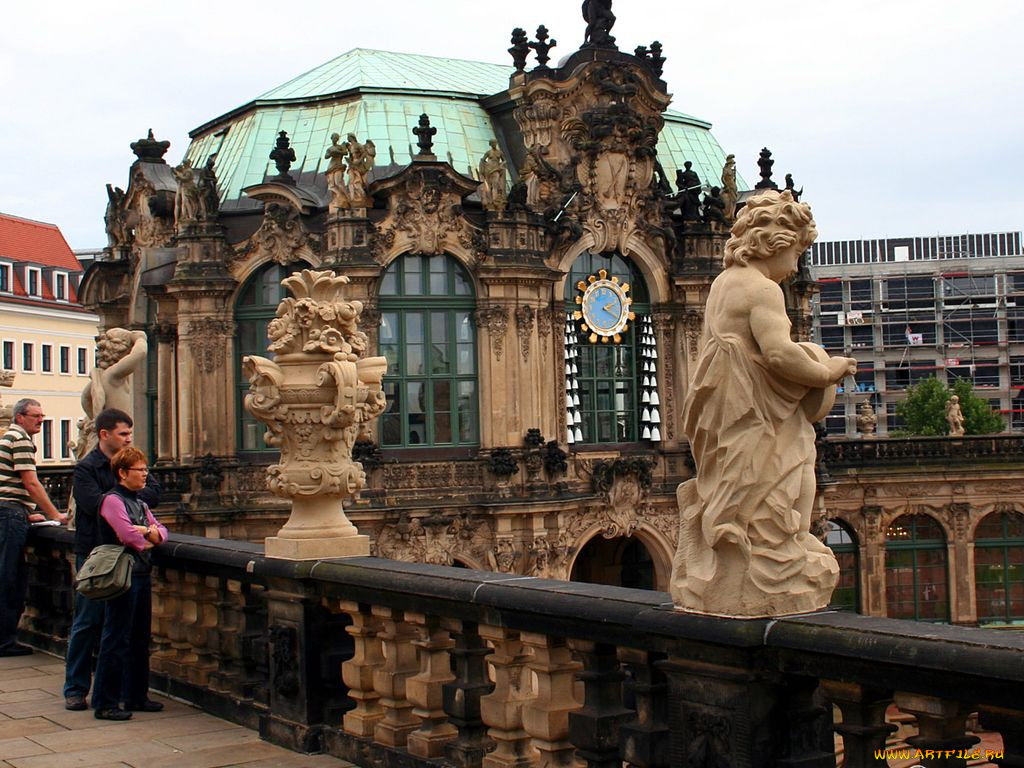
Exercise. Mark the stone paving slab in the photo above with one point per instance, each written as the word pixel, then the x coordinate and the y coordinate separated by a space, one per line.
pixel 37 732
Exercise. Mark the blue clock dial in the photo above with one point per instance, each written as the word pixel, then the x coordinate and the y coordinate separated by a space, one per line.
pixel 604 307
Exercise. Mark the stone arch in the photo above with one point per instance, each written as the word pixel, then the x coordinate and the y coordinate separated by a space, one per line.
pixel 462 256
pixel 651 266
pixel 660 550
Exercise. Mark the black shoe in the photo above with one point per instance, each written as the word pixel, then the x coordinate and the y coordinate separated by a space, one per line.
pixel 16 650
pixel 147 706
pixel 112 714
pixel 75 703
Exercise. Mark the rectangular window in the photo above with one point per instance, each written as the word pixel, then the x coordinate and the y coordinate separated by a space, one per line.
pixel 47 358
pixel 8 356
pixel 60 286
pixel 65 438
pixel 33 281
pixel 28 354
pixel 5 278
pixel 65 359
pixel 83 361
pixel 47 439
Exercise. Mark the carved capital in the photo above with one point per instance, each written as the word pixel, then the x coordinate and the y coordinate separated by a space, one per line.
pixel 494 318
pixel 208 338
pixel 525 316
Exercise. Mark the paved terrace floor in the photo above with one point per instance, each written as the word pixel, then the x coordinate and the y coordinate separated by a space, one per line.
pixel 37 732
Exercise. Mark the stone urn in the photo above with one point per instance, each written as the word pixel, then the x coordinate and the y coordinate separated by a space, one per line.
pixel 317 397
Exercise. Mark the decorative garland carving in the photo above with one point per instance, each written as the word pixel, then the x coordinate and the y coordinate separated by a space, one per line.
pixel 495 319
pixel 282 237
pixel 693 326
pixel 208 340
pixel 524 328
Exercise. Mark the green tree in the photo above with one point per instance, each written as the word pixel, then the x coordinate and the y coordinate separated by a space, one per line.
pixel 924 410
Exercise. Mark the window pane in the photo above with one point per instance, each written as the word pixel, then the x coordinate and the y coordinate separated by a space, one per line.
pixel 415 401
pixel 438 275
pixel 467 412
pixel 439 362
pixel 389 282
pixel 462 285
pixel 413 276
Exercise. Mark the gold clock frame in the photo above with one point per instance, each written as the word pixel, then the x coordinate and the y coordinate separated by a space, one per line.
pixel 592 284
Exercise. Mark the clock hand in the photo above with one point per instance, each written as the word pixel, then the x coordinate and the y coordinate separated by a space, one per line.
pixel 610 307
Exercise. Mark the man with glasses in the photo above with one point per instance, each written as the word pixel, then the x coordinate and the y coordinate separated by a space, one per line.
pixel 93 479
pixel 21 494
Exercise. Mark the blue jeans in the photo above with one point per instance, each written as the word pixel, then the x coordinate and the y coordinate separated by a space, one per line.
pixel 13 571
pixel 122 670
pixel 83 642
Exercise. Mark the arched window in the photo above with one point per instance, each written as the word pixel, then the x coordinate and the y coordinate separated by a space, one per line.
pixel 428 338
pixel 255 307
pixel 916 571
pixel 609 377
pixel 844 545
pixel 999 568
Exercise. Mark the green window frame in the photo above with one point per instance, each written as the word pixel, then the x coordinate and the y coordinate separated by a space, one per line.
pixel 916 570
pixel 999 568
pixel 841 539
pixel 608 373
pixel 428 336
pixel 255 306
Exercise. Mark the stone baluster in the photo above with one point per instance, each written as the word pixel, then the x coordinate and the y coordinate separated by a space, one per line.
pixel 546 717
pixel 864 729
pixel 807 740
pixel 941 726
pixel 1010 725
pixel 594 728
pixel 645 739
pixel 358 671
pixel 389 678
pixel 424 690
pixel 502 709
pixel 462 696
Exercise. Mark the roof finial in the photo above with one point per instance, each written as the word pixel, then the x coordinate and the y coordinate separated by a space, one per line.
pixel 765 163
pixel 541 46
pixel 283 156
pixel 520 48
pixel 149 150
pixel 424 133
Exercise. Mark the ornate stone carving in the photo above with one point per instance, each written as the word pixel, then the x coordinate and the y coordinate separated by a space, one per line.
pixel 493 171
pixel 6 410
pixel 282 237
pixel 524 328
pixel 186 199
pixel 503 557
pixel 730 193
pixel 285 670
pixel 116 218
pixel 693 326
pixel 495 319
pixel 148 213
pixel 316 398
pixel 520 49
pixel 209 198
pixel 208 339
pixel 709 741
pixel 437 539
pixel 866 419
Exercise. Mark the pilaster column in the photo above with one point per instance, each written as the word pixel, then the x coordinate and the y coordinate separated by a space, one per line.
pixel 167 392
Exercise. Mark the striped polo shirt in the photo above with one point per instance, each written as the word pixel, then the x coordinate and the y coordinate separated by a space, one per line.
pixel 17 454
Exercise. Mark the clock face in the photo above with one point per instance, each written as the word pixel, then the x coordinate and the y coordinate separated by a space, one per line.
pixel 604 307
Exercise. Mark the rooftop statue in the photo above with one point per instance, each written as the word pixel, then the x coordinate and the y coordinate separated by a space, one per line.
pixel 336 173
pixel 867 420
pixel 209 200
pixel 730 193
pixel 186 199
pixel 954 417
pixel 745 547
pixel 115 218
pixel 689 186
pixel 361 158
pixel 600 20
pixel 493 170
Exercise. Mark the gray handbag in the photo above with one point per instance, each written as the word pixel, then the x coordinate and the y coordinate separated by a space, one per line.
pixel 106 573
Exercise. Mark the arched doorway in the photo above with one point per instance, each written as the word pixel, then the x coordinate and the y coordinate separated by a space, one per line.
pixel 619 562
pixel 916 569
pixel 999 568
pixel 841 539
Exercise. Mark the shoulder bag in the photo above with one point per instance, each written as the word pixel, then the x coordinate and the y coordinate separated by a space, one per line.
pixel 106 573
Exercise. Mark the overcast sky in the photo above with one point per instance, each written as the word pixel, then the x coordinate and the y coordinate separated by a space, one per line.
pixel 898 117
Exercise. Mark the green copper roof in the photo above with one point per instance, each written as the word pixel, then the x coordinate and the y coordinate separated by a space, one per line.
pixel 379 95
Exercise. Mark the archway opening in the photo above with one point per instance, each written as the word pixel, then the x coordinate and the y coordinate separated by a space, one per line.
pixel 841 539
pixel 916 569
pixel 619 562
pixel 999 568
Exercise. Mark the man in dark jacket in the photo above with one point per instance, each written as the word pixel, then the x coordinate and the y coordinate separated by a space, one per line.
pixel 93 478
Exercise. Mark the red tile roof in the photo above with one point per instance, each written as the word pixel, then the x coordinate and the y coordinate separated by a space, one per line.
pixel 36 242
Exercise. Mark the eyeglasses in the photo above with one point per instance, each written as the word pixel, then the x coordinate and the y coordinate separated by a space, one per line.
pixel 139 469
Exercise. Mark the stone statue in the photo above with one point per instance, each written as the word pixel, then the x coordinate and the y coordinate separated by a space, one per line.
pixel 600 20
pixel 6 411
pixel 317 397
pixel 186 199
pixel 209 199
pixel 115 219
pixel 866 418
pixel 745 547
pixel 714 209
pixel 336 174
pixel 791 186
pixel 361 158
pixel 119 354
pixel 730 193
pixel 689 186
pixel 954 417
pixel 493 169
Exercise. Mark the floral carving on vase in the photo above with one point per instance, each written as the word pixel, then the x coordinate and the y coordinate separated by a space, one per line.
pixel 316 397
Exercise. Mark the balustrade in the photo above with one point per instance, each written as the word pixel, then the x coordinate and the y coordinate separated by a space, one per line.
pixel 452 666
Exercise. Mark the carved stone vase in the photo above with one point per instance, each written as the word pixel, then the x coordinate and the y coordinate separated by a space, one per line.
pixel 317 396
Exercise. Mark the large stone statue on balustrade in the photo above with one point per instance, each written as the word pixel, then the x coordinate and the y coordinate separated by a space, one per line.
pixel 119 354
pixel 745 547
pixel 317 396
pixel 6 411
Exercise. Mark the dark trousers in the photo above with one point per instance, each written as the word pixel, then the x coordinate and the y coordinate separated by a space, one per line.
pixel 122 671
pixel 13 571
pixel 83 641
